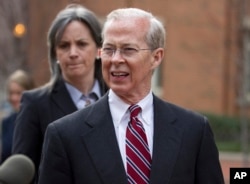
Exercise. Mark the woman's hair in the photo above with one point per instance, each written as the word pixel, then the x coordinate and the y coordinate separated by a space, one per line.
pixel 21 78
pixel 70 13
pixel 156 34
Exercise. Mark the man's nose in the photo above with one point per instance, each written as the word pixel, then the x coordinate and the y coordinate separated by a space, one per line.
pixel 117 53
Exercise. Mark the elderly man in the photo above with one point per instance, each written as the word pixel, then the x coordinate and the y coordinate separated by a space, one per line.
pixel 130 135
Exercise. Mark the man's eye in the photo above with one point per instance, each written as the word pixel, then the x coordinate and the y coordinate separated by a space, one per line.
pixel 129 50
pixel 108 50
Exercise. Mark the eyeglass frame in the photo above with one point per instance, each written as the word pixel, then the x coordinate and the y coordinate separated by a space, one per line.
pixel 122 51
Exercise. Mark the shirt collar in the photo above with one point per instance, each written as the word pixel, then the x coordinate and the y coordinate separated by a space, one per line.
pixel 146 105
pixel 119 108
pixel 76 94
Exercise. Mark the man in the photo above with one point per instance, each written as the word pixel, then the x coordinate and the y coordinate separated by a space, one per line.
pixel 130 135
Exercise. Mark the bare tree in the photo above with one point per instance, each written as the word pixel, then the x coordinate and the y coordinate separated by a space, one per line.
pixel 12 12
pixel 12 48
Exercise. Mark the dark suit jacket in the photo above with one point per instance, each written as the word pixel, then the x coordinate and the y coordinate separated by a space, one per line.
pixel 81 148
pixel 8 124
pixel 40 107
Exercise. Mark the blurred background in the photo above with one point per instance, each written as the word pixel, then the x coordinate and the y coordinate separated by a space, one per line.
pixel 206 67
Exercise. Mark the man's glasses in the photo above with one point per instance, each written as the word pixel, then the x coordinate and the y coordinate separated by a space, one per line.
pixel 126 52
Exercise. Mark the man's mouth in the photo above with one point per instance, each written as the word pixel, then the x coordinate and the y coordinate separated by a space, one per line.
pixel 119 74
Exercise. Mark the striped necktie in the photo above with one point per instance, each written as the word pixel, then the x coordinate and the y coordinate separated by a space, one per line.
pixel 137 151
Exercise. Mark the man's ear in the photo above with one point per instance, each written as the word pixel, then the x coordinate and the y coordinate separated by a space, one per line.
pixel 158 55
pixel 99 53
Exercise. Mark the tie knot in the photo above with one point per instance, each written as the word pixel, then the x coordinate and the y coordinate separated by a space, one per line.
pixel 134 110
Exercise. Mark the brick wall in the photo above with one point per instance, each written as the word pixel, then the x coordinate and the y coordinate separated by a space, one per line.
pixel 199 66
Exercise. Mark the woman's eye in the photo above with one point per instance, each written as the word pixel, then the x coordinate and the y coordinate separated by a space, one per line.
pixel 63 45
pixel 81 44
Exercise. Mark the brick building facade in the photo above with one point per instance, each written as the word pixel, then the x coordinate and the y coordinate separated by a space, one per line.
pixel 200 69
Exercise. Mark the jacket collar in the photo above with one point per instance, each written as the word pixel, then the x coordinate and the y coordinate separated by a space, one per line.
pixel 102 145
pixel 61 97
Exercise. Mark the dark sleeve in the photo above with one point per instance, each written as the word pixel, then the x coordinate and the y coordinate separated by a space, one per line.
pixel 27 138
pixel 6 151
pixel 208 169
pixel 7 134
pixel 54 167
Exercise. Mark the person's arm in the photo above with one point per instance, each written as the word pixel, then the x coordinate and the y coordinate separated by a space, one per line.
pixel 5 140
pixel 54 167
pixel 208 168
pixel 27 138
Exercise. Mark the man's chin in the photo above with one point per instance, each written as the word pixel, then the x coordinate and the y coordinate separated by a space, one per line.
pixel 119 89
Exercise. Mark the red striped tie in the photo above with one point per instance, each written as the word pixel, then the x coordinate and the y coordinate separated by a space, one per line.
pixel 137 151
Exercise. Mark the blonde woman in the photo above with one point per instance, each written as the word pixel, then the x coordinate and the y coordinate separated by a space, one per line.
pixel 17 82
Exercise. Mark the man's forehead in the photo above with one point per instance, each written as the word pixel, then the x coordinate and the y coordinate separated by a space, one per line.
pixel 133 24
pixel 123 39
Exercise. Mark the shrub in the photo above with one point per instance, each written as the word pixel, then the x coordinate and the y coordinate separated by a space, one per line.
pixel 226 131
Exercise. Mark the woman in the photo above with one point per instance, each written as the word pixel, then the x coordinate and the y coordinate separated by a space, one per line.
pixel 17 82
pixel 74 40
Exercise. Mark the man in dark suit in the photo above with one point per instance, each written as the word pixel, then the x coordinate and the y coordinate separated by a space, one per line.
pixel 130 135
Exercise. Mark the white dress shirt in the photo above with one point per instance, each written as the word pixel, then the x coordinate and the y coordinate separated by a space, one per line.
pixel 81 100
pixel 121 116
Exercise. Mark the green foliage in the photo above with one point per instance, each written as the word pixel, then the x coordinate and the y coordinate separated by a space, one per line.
pixel 226 131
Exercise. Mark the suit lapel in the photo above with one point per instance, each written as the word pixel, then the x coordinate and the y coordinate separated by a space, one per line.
pixel 61 97
pixel 166 143
pixel 102 144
